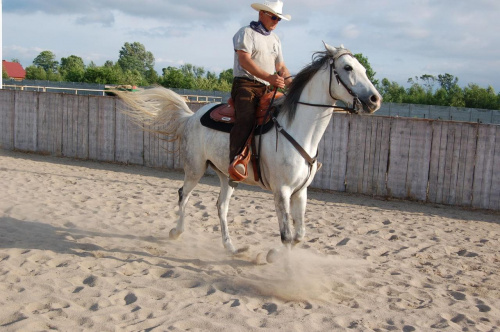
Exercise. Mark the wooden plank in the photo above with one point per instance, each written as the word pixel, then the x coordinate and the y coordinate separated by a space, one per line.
pixel 25 121
pixel 356 154
pixel 50 123
pixel 418 160
pixel 93 127
pixel 495 181
pixel 7 115
pixel 83 128
pixel 438 160
pixel 369 169
pixel 368 156
pixel 148 149
pixel 465 171
pixel 398 157
pixel 154 151
pixel 339 143
pixel 379 181
pixel 448 175
pixel 70 126
pixel 129 138
pixel 106 129
pixel 483 173
pixel 322 178
pixel 454 176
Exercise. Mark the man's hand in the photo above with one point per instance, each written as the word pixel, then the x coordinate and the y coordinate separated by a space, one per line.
pixel 276 81
pixel 249 65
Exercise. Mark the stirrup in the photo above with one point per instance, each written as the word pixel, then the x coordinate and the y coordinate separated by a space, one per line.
pixel 240 168
pixel 237 172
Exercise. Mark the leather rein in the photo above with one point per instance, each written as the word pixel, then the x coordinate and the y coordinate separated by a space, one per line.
pixel 353 109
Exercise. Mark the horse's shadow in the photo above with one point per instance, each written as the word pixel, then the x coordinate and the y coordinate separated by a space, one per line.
pixel 33 235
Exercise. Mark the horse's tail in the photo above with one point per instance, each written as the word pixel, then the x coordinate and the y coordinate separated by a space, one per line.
pixel 157 110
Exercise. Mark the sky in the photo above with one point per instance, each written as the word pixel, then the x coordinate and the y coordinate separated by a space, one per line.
pixel 401 38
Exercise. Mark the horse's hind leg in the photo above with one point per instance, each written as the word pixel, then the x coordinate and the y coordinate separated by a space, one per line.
pixel 191 179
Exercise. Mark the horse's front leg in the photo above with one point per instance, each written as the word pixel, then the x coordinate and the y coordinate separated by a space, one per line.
pixel 298 209
pixel 226 191
pixel 282 203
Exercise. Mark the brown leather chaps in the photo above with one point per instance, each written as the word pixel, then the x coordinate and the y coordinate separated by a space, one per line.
pixel 246 94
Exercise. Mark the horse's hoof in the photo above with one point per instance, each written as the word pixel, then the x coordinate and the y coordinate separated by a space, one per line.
pixel 173 235
pixel 272 256
pixel 260 259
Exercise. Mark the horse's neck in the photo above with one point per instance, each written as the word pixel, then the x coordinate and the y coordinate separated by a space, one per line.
pixel 310 122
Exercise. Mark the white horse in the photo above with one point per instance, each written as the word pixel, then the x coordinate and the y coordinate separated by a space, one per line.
pixel 334 75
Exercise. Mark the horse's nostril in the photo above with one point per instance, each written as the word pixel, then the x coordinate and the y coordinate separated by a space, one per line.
pixel 374 99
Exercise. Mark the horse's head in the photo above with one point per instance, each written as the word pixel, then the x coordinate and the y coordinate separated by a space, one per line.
pixel 349 82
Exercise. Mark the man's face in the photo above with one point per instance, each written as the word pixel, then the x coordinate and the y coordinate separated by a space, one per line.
pixel 267 20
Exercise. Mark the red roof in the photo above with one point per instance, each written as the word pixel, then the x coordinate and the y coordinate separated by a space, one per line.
pixel 14 69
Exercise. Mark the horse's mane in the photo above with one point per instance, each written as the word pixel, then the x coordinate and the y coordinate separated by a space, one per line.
pixel 289 104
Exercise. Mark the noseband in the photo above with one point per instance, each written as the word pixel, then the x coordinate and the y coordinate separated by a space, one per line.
pixel 333 71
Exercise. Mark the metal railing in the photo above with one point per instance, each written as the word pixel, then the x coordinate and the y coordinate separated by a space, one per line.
pixel 45 88
pixel 189 98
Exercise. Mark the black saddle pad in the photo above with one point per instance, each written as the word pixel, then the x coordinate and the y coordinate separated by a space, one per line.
pixel 208 122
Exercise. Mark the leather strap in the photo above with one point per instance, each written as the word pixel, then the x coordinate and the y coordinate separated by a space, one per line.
pixel 295 144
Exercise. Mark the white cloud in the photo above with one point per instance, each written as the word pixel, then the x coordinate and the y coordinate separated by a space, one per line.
pixel 401 39
pixel 102 18
pixel 351 31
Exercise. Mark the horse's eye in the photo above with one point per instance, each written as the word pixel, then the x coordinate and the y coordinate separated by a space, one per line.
pixel 348 68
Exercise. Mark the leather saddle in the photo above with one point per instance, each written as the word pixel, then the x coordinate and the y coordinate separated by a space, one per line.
pixel 221 117
pixel 225 112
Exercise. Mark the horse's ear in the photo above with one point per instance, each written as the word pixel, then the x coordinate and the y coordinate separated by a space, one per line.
pixel 330 49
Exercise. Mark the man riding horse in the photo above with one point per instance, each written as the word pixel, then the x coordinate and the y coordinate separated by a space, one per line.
pixel 258 64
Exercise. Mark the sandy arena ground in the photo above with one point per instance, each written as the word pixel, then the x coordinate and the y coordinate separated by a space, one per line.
pixel 84 246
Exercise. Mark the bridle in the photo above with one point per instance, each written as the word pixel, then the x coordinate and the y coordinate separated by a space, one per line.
pixel 279 129
pixel 333 71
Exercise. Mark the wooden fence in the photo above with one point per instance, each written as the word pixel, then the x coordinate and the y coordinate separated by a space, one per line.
pixel 434 161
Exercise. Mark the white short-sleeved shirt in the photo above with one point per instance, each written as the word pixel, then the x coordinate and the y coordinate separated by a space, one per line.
pixel 265 51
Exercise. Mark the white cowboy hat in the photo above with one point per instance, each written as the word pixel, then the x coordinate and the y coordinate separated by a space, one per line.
pixel 275 7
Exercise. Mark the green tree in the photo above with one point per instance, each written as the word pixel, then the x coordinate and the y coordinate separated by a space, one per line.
pixel 226 76
pixel 132 77
pixel 369 70
pixel 174 78
pixel 392 92
pixel 192 71
pixel 93 74
pixel 47 61
pixel 429 81
pixel 415 94
pixel 36 73
pixel 54 76
pixel 134 57
pixel 477 97
pixel 72 68
pixel 151 77
pixel 447 82
pixel 421 90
